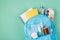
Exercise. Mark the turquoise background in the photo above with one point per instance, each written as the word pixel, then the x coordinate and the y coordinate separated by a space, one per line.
pixel 11 26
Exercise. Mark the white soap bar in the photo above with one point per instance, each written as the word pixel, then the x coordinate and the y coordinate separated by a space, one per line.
pixel 39 28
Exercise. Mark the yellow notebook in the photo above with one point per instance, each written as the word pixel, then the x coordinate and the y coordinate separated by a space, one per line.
pixel 29 14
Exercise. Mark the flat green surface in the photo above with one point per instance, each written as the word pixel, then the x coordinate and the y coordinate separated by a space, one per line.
pixel 11 26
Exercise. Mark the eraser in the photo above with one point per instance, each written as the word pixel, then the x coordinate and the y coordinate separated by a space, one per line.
pixel 29 14
pixel 34 35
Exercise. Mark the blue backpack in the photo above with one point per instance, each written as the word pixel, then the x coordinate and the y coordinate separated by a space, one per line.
pixel 40 27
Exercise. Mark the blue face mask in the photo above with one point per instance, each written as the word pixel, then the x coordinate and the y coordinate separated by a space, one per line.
pixel 40 27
